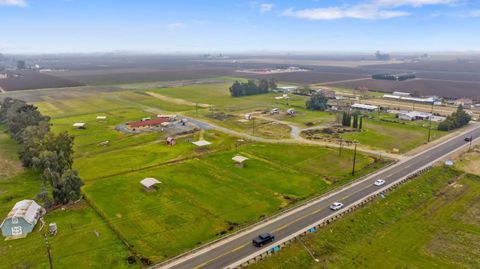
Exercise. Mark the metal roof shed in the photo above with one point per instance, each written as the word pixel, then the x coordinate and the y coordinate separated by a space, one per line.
pixel 201 143
pixel 149 182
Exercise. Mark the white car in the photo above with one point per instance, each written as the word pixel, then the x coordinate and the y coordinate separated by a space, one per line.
pixel 336 206
pixel 379 182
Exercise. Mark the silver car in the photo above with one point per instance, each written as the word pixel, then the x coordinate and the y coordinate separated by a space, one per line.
pixel 336 206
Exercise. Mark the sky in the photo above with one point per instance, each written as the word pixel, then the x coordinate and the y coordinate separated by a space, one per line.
pixel 214 26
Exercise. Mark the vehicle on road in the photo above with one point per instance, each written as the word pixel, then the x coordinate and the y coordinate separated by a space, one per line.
pixel 263 239
pixel 468 139
pixel 379 182
pixel 336 206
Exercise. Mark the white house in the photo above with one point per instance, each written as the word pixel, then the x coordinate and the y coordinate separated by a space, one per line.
pixel 414 115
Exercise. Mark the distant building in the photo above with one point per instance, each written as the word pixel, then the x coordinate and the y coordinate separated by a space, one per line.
pixel 414 115
pixel 327 93
pixel 22 219
pixel 80 125
pixel 286 89
pixel 364 107
pixel 465 102
pixel 401 93
pixel 426 100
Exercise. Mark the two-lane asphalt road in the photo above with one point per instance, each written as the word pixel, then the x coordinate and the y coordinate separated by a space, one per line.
pixel 238 246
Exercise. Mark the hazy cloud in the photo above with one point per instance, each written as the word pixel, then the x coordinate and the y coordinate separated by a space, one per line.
pixel 172 27
pixel 16 3
pixel 475 13
pixel 413 3
pixel 366 12
pixel 370 10
pixel 262 7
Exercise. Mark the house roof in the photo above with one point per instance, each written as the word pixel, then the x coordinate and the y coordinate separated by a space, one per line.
pixel 101 117
pixel 78 124
pixel 201 143
pixel 239 159
pixel 149 122
pixel 149 182
pixel 362 106
pixel 26 209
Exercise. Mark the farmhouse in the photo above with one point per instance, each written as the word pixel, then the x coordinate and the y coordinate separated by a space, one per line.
pixel 80 125
pixel 465 102
pixel 149 183
pixel 327 93
pixel 22 219
pixel 147 123
pixel 364 107
pixel 414 115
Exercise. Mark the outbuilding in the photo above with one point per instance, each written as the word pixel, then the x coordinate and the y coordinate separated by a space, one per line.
pixel 100 118
pixel 364 107
pixel 201 143
pixel 22 219
pixel 80 125
pixel 239 160
pixel 149 183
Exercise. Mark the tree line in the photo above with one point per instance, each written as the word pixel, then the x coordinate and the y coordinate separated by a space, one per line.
pixel 458 119
pixel 317 101
pixel 252 87
pixel 353 120
pixel 40 149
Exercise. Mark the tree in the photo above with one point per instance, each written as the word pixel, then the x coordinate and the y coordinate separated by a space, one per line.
pixel 263 86
pixel 32 145
pixel 317 101
pixel 43 196
pixel 360 126
pixel 458 119
pixel 66 188
pixel 19 118
pixel 355 121
pixel 272 84
pixel 21 65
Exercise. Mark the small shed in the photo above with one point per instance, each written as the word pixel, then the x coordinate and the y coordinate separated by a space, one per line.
pixel 290 111
pixel 100 118
pixel 149 183
pixel 201 143
pixel 239 160
pixel 22 219
pixel 79 125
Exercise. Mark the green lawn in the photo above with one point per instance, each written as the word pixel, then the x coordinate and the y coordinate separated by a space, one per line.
pixel 76 245
pixel 203 198
pixel 426 223
pixel 388 135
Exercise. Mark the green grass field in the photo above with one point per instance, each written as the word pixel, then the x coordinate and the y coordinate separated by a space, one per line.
pixel 430 222
pixel 205 197
pixel 75 246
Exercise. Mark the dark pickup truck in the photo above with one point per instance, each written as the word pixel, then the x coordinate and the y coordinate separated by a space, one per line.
pixel 263 239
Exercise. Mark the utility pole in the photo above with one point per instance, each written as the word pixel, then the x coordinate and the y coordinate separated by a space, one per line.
pixel 470 146
pixel 430 124
pixel 48 251
pixel 340 149
pixel 308 250
pixel 253 126
pixel 354 158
